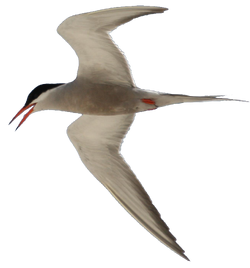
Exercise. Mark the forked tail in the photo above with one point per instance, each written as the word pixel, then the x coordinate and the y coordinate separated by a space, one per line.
pixel 168 99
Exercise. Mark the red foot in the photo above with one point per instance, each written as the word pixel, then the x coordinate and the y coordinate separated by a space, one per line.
pixel 148 101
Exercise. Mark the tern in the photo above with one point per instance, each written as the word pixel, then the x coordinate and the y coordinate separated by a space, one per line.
pixel 105 95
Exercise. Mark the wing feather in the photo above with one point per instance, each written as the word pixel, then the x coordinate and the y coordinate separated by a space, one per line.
pixel 100 60
pixel 97 140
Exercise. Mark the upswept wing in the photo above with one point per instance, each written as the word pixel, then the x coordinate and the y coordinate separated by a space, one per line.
pixel 97 56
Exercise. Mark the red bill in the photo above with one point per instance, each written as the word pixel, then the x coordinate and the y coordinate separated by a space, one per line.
pixel 20 118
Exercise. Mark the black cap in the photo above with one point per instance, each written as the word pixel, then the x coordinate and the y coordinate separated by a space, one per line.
pixel 36 92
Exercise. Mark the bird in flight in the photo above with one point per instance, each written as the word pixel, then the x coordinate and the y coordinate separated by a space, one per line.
pixel 106 96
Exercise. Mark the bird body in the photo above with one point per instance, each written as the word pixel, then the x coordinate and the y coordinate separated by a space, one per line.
pixel 107 99
pixel 95 99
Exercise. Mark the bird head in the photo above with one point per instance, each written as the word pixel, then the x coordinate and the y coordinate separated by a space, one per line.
pixel 37 95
